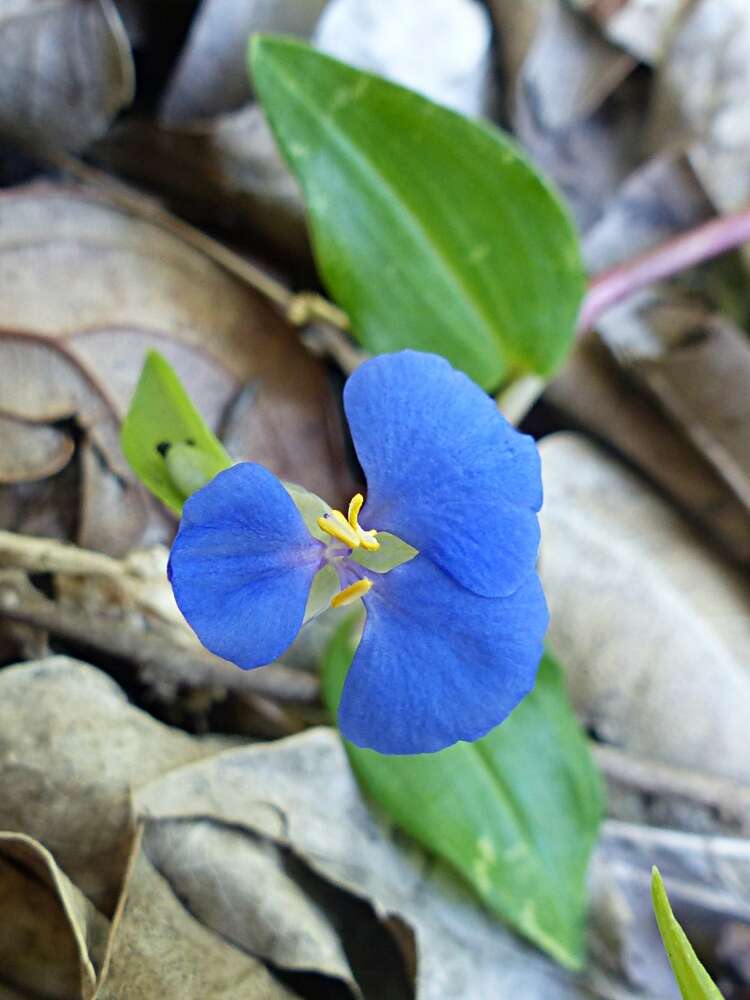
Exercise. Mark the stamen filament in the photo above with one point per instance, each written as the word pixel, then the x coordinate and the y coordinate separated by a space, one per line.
pixel 367 539
pixel 351 593
pixel 349 531
pixel 338 527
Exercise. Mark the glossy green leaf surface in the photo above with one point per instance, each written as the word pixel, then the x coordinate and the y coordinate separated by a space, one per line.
pixel 432 231
pixel 693 980
pixel 516 813
pixel 165 439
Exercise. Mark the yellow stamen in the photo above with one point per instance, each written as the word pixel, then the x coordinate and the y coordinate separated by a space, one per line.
pixel 349 531
pixel 367 538
pixel 351 593
pixel 337 525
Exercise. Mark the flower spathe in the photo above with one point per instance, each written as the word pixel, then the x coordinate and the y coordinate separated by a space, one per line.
pixel 453 636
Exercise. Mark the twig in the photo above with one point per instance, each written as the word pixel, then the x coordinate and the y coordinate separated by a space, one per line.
pixel 164 662
pixel 727 800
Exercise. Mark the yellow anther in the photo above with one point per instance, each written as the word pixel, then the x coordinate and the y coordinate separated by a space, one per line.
pixel 348 531
pixel 366 538
pixel 336 524
pixel 351 593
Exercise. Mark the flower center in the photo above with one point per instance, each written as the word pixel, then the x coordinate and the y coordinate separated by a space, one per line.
pixel 347 529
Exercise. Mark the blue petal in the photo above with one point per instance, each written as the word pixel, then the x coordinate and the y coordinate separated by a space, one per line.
pixel 438 663
pixel 242 564
pixel 445 470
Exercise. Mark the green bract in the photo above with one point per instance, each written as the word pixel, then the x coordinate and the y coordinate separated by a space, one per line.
pixel 166 440
pixel 432 231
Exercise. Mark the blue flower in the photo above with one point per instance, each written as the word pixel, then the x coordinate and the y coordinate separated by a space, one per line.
pixel 453 636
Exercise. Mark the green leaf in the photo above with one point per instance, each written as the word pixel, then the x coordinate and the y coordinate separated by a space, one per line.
pixel 165 439
pixel 432 231
pixel 693 980
pixel 516 813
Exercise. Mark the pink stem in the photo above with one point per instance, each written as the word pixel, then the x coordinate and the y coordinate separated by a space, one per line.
pixel 677 254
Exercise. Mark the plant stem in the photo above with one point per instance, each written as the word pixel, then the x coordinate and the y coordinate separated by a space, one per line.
pixel 669 258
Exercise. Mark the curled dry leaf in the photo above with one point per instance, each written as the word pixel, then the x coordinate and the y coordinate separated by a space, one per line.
pixel 67 70
pixel 52 939
pixel 300 793
pixel 237 886
pixel 224 170
pixel 86 290
pixel 689 443
pixel 702 96
pixel 211 75
pixel 641 27
pixel 662 635
pixel 158 949
pixel 32 452
pixel 585 136
pixel 71 749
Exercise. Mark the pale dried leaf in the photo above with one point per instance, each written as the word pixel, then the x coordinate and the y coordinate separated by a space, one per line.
pixel 91 298
pixel 67 70
pixel 225 169
pixel 211 76
pixel 159 950
pixel 703 383
pixel 71 750
pixel 587 136
pixel 703 92
pixel 593 391
pixel 642 27
pixel 694 362
pixel 52 940
pixel 651 624
pixel 237 887
pixel 300 793
pixel 32 452
pixel 567 47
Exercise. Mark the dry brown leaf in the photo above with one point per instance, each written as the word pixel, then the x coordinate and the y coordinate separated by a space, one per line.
pixel 211 76
pixel 237 886
pixel 566 47
pixel 82 305
pixel 586 136
pixel 71 749
pixel 702 96
pixel 641 27
pixel 703 383
pixel 67 70
pixel 159 950
pixel 300 793
pixel 52 940
pixel 698 454
pixel 32 452
pixel 593 391
pixel 225 170
pixel 651 625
